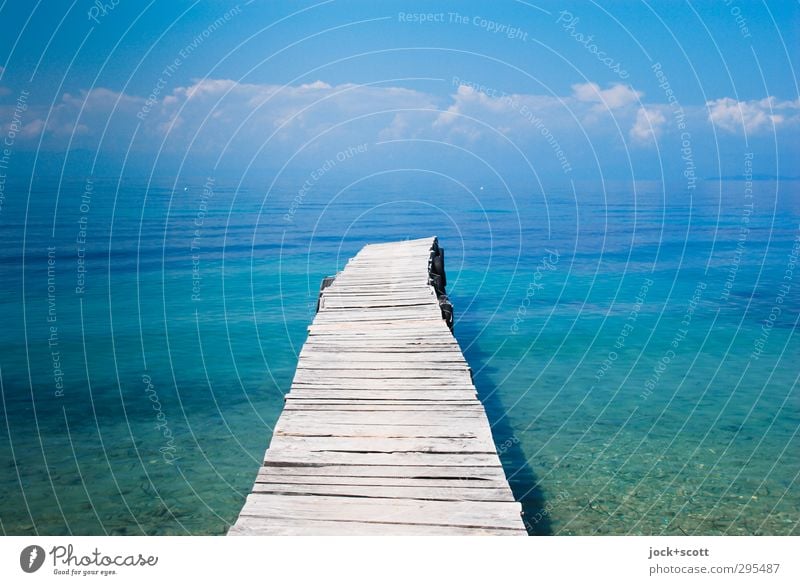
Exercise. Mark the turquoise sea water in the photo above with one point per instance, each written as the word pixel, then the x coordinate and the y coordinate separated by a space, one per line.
pixel 634 344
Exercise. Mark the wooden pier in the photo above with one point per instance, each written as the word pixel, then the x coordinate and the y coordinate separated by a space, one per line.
pixel 382 431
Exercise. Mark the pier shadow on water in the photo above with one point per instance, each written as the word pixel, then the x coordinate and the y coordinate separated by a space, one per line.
pixel 521 477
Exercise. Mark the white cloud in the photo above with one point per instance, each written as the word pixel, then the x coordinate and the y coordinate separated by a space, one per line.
pixel 205 87
pixel 316 85
pixel 474 115
pixel 212 111
pixel 80 117
pixel 648 125
pixel 616 96
pixel 752 116
pixel 33 128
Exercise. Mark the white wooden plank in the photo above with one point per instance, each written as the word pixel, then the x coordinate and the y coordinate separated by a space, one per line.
pixel 421 393
pixel 447 446
pixel 247 525
pixel 417 491
pixel 438 418
pixel 434 473
pixel 293 427
pixel 292 456
pixel 386 371
pixel 294 403
pixel 391 511
pixel 282 476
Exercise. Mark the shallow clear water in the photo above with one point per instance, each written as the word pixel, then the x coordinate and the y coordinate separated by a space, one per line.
pixel 611 329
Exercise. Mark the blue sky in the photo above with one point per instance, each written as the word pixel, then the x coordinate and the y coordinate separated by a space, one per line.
pixel 568 89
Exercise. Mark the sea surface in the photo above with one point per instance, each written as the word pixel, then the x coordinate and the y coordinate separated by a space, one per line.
pixel 635 344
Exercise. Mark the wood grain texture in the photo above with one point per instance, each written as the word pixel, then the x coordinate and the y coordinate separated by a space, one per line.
pixel 382 431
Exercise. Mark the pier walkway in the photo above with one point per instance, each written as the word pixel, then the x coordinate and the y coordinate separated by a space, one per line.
pixel 382 431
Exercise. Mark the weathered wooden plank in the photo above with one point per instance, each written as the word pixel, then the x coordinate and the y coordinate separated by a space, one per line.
pixel 420 310
pixel 400 380
pixel 247 525
pixel 292 456
pixel 388 385
pixel 398 336
pixel 391 511
pixel 378 405
pixel 298 403
pixel 386 323
pixel 433 473
pixel 410 444
pixel 284 475
pixel 315 355
pixel 417 491
pixel 423 420
pixel 340 393
pixel 414 362
pixel 400 349
pixel 385 372
pixel 293 427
